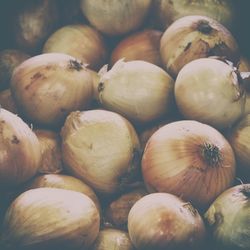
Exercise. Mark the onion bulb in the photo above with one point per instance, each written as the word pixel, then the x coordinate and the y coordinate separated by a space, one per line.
pixel 164 221
pixel 114 17
pixel 47 87
pixel 138 90
pixel 228 218
pixel 80 41
pixel 193 37
pixel 20 154
pixel 189 159
pixel 210 91
pixel 7 102
pixel 101 148
pixel 51 218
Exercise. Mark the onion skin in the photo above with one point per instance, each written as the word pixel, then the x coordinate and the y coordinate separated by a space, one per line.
pixel 51 218
pixel 7 102
pixel 189 159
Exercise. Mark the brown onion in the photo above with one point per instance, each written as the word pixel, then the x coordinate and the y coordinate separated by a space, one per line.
pixel 7 102
pixel 189 159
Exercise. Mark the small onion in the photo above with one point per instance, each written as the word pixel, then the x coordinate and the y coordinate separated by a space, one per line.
pixel 193 37
pixel 47 87
pixel 101 148
pixel 114 17
pixel 51 218
pixel 210 91
pixel 228 218
pixel 189 159
pixel 7 102
pixel 138 90
pixel 80 41
pixel 164 221
pixel 20 154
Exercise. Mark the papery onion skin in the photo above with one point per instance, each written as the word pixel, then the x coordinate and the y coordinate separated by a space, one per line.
pixel 51 218
pixel 20 150
pixel 228 218
pixel 209 90
pixel 7 102
pixel 164 221
pixel 189 159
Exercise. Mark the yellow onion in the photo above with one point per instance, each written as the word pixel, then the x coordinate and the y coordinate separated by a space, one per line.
pixel 80 41
pixel 20 154
pixel 50 144
pixel 210 91
pixel 193 37
pixel 189 159
pixel 47 87
pixel 109 239
pixel 115 17
pixel 143 45
pixel 51 218
pixel 228 218
pixel 138 90
pixel 164 221
pixel 7 101
pixel 101 148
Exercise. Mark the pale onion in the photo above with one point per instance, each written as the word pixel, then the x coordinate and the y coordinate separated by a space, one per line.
pixel 114 17
pixel 210 91
pixel 65 182
pixel 80 41
pixel 189 159
pixel 228 218
pixel 138 90
pixel 164 221
pixel 193 37
pixel 47 87
pixel 101 148
pixel 143 45
pixel 20 154
pixel 112 239
pixel 7 101
pixel 51 218
pixel 50 144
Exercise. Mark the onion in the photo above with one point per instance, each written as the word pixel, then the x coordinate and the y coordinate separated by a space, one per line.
pixel 138 90
pixel 80 41
pixel 143 45
pixel 193 37
pixel 49 86
pixel 189 159
pixel 101 148
pixel 115 17
pixel 7 102
pixel 51 218
pixel 20 155
pixel 50 144
pixel 228 218
pixel 163 221
pixel 210 91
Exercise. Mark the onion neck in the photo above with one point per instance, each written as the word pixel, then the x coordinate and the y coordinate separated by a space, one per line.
pixel 211 154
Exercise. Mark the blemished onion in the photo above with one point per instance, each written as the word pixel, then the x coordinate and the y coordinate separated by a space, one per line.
pixel 109 239
pixel 20 150
pixel 115 17
pixel 164 221
pixel 193 37
pixel 47 87
pixel 50 218
pixel 138 90
pixel 228 218
pixel 143 45
pixel 50 144
pixel 190 159
pixel 210 91
pixel 101 148
pixel 7 102
pixel 80 41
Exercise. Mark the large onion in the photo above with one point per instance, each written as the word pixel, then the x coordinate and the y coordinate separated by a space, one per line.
pixel 163 221
pixel 49 86
pixel 101 148
pixel 210 91
pixel 20 154
pixel 51 218
pixel 189 159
